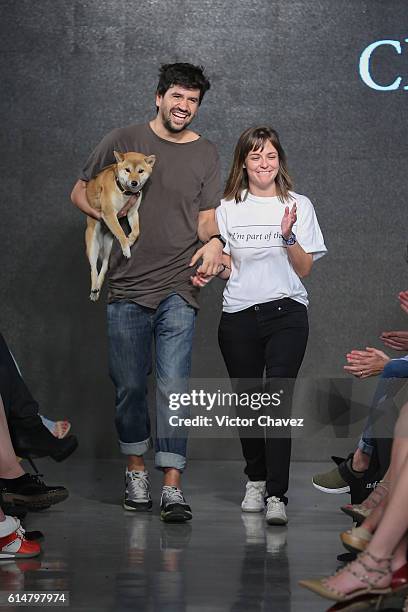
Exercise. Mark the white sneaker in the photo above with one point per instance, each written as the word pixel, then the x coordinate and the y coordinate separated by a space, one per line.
pixel 275 511
pixel 254 500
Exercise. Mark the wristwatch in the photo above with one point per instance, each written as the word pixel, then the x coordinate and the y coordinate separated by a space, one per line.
pixel 220 238
pixel 291 240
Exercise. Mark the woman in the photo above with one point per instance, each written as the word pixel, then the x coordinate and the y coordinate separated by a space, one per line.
pixel 272 238
pixel 382 566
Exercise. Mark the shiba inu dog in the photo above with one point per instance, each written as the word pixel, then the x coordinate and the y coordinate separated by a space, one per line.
pixel 108 193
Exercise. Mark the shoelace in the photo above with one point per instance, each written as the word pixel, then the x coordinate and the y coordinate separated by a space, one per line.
pixel 273 502
pixel 20 532
pixel 253 491
pixel 35 478
pixel 137 485
pixel 173 496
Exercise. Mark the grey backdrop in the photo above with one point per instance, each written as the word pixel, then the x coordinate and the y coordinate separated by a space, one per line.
pixel 73 70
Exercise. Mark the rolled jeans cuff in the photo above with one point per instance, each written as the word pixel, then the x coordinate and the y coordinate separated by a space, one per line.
pixel 135 448
pixel 170 460
pixel 365 447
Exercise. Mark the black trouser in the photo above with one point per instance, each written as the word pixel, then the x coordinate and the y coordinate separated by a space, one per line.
pixel 271 337
pixel 20 407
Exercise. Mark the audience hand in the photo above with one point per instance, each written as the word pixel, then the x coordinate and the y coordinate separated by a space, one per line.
pixel 363 364
pixel 397 340
pixel 403 299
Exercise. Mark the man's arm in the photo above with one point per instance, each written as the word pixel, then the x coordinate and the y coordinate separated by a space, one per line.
pixel 207 225
pixel 211 252
pixel 79 199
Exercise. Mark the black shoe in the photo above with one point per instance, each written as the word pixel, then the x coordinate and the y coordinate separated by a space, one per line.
pixel 173 506
pixel 39 442
pixel 17 510
pixel 30 491
pixel 33 536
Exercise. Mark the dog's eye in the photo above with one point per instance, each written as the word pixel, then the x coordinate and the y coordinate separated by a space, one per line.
pixel 140 170
pixel 127 170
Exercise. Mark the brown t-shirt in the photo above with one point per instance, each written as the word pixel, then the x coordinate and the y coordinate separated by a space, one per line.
pixel 185 180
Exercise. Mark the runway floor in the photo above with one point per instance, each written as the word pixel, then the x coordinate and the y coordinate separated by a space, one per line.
pixel 224 560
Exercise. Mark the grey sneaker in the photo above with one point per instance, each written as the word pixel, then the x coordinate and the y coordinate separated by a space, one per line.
pixel 331 482
pixel 137 492
pixel 173 506
pixel 275 511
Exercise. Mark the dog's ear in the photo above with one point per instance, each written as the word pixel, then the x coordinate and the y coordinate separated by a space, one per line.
pixel 119 156
pixel 150 160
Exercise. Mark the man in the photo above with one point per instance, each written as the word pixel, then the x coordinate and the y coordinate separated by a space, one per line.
pixel 150 295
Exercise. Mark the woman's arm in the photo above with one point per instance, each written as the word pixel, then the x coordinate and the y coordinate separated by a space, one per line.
pixel 301 261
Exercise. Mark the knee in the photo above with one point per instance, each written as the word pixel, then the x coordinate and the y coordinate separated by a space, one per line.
pixel 131 391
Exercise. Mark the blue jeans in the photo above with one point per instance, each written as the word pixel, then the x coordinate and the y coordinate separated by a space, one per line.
pixel 396 368
pixel 131 328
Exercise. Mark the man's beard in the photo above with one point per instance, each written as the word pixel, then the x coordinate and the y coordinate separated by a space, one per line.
pixel 175 129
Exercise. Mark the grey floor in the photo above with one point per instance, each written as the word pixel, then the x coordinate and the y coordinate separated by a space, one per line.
pixel 110 559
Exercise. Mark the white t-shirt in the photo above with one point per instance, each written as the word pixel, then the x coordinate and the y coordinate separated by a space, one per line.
pixel 260 267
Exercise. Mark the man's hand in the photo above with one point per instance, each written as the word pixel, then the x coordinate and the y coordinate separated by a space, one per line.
pixel 124 211
pixel 397 340
pixel 403 300
pixel 211 254
pixel 363 364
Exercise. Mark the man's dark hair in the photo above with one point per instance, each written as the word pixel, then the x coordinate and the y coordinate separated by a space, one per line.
pixel 183 74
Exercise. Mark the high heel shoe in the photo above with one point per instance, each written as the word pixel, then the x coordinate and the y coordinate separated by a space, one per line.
pixel 356 539
pixel 39 442
pixel 359 512
pixel 396 600
pixel 322 588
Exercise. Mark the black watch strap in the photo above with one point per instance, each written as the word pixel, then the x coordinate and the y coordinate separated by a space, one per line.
pixel 220 238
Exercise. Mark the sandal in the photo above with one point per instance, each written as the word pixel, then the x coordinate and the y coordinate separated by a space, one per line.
pixel 321 587
pixel 356 539
pixel 359 512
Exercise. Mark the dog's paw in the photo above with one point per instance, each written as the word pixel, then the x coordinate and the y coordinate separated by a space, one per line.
pixel 132 239
pixel 126 251
pixel 94 296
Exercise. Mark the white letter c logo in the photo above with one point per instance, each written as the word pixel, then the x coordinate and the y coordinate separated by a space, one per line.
pixel 365 65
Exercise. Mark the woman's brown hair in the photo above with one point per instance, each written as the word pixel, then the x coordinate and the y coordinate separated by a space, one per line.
pixel 254 139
